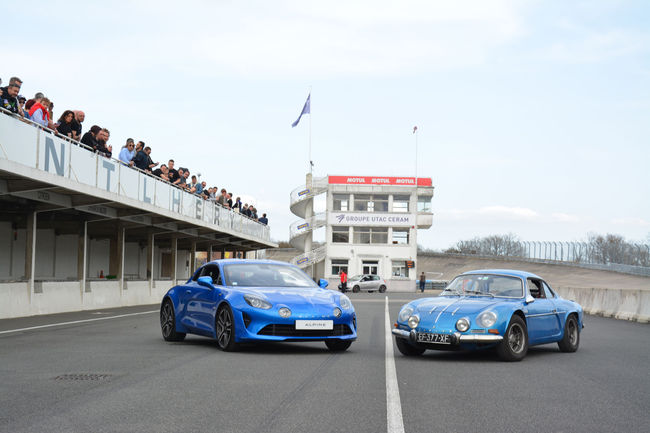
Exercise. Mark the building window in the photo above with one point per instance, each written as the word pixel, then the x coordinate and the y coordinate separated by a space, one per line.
pixel 401 236
pixel 380 203
pixel 370 235
pixel 401 203
pixel 424 203
pixel 361 202
pixel 379 235
pixel 371 203
pixel 339 265
pixel 399 269
pixel 341 202
pixel 361 235
pixel 340 234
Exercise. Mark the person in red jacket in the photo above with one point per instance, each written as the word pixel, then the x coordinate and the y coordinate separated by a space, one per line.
pixel 344 281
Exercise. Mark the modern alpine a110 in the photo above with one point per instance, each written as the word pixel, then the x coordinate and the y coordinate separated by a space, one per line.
pixel 245 301
pixel 502 309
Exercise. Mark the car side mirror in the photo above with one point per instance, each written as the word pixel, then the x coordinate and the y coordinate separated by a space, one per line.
pixel 205 282
pixel 529 299
pixel 322 283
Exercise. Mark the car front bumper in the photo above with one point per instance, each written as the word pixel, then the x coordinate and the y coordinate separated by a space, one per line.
pixel 457 337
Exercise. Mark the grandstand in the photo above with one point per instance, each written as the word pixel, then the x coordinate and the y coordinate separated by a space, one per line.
pixel 82 231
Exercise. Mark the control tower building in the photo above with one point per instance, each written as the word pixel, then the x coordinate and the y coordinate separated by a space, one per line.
pixel 371 227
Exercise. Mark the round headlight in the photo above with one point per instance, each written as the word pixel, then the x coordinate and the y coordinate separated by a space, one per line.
pixel 486 319
pixel 345 302
pixel 337 312
pixel 462 324
pixel 284 312
pixel 413 321
pixel 405 313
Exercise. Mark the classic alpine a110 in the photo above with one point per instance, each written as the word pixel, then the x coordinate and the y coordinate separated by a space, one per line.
pixel 502 309
pixel 243 301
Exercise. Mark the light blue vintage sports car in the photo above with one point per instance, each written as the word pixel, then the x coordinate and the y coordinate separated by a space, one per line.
pixel 503 309
pixel 245 301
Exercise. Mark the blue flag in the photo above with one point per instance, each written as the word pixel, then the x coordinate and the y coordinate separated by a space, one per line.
pixel 305 110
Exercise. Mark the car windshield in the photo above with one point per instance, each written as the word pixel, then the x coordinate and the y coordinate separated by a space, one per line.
pixel 265 275
pixel 485 285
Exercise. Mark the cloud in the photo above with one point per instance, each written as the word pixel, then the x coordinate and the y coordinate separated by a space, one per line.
pixel 631 221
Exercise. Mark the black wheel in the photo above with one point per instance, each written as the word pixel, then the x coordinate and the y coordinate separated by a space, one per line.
pixel 356 289
pixel 407 348
pixel 515 343
pixel 225 327
pixel 571 339
pixel 338 345
pixel 382 289
pixel 168 323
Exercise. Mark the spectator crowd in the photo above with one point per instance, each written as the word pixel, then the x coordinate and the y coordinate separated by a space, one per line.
pixel 40 110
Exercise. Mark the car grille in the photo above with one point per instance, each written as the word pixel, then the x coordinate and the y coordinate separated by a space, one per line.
pixel 291 331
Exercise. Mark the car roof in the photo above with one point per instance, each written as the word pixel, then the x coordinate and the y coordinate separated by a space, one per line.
pixel 509 272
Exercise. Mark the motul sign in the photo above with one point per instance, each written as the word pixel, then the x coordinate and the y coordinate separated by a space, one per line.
pixel 379 180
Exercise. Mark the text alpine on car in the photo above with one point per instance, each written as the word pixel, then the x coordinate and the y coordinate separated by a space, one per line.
pixel 237 301
pixel 504 309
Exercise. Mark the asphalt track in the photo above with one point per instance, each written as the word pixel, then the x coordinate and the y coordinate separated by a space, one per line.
pixel 116 374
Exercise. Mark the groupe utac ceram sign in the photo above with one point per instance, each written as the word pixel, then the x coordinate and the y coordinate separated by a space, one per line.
pixel 371 219
pixel 379 180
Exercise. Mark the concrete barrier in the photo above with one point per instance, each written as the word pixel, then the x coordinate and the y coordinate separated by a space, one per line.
pixel 66 296
pixel 621 304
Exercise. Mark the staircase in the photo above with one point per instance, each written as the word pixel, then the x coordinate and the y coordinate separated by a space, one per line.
pixel 301 231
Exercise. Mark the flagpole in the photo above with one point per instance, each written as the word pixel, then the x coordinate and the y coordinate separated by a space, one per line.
pixel 416 156
pixel 311 165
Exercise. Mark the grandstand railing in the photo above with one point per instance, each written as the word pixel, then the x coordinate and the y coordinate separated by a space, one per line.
pixel 28 143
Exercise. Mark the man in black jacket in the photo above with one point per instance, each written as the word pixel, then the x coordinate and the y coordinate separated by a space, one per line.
pixel 90 138
pixel 8 97
pixel 141 159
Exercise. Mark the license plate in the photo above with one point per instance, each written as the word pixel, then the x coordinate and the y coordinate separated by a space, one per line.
pixel 314 324
pixel 424 337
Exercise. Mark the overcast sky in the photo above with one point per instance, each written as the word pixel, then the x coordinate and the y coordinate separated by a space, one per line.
pixel 534 116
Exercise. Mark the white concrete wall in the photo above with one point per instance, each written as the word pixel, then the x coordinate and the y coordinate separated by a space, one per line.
pixel 98 257
pixel 65 296
pixel 67 248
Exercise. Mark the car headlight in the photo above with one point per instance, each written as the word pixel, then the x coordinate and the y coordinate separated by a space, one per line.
pixel 257 302
pixel 405 313
pixel 345 302
pixel 337 312
pixel 284 312
pixel 462 324
pixel 486 319
pixel 413 321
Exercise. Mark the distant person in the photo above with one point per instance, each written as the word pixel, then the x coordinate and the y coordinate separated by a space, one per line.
pixel 79 117
pixel 127 153
pixel 173 175
pixel 39 112
pixel 423 281
pixel 162 172
pixel 90 137
pixel 344 280
pixel 264 220
pixel 9 96
pixel 65 124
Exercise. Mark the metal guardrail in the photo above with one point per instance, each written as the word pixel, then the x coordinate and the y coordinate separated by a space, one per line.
pixel 28 143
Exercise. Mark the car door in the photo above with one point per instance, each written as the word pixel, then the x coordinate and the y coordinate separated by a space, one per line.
pixel 186 294
pixel 204 300
pixel 364 284
pixel 374 283
pixel 542 317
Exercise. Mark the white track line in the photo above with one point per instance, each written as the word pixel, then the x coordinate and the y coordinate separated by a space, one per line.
pixel 77 321
pixel 394 419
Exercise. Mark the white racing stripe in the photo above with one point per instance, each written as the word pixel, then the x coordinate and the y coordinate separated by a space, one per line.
pixel 394 419
pixel 77 321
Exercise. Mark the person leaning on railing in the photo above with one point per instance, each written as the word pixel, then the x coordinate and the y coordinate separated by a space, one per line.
pixel 90 137
pixel 65 125
pixel 127 153
pixel 39 112
pixel 9 96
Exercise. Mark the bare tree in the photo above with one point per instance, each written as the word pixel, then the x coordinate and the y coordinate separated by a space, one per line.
pixel 494 245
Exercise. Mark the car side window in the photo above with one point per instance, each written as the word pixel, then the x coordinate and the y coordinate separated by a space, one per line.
pixel 213 272
pixel 547 290
pixel 375 278
pixel 535 289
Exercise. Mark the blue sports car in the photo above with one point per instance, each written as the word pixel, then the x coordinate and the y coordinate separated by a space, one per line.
pixel 503 309
pixel 241 301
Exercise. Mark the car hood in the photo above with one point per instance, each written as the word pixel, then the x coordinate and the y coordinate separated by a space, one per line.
pixel 295 295
pixel 463 305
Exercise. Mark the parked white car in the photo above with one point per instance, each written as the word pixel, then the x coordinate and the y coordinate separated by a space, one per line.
pixel 367 283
